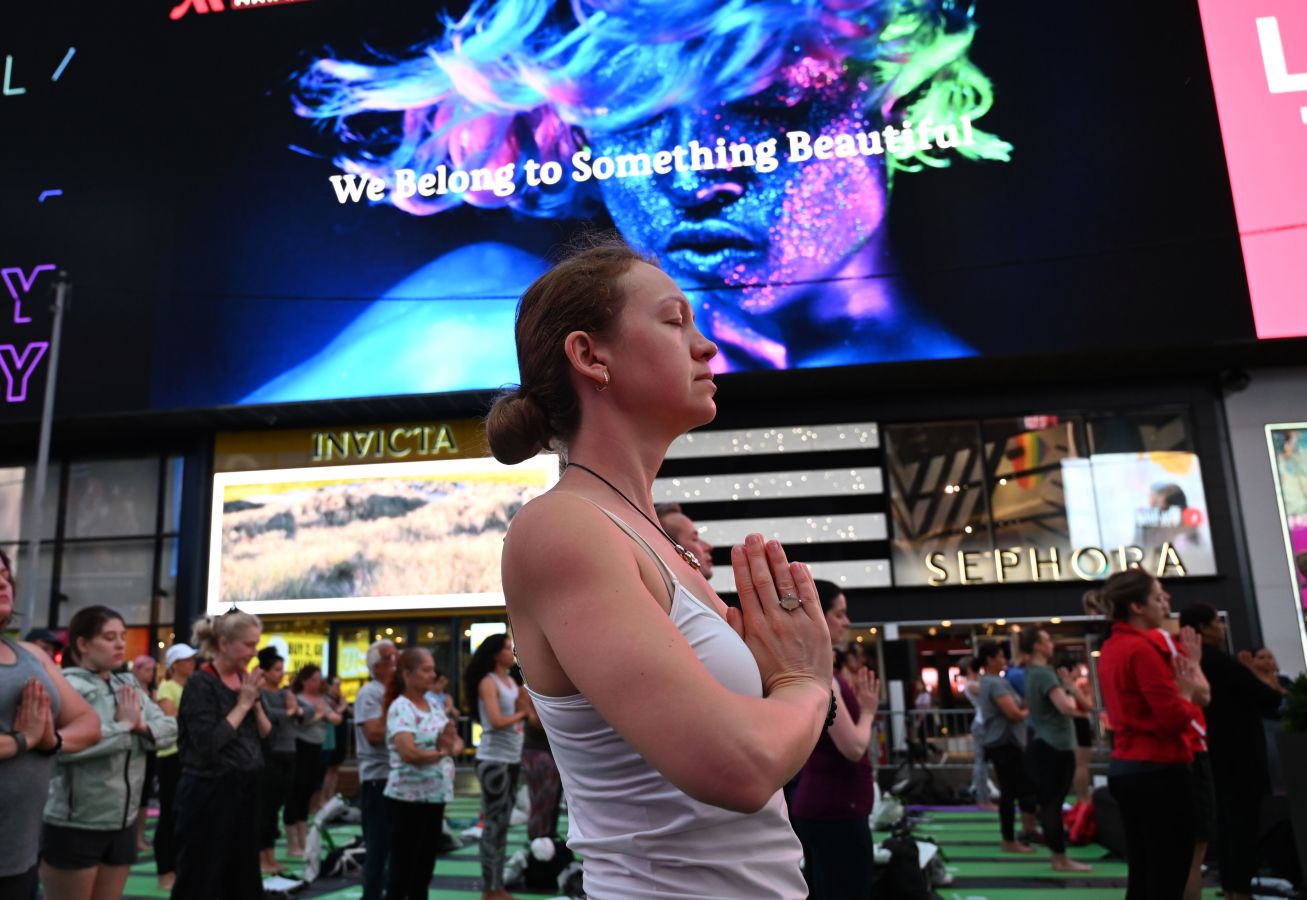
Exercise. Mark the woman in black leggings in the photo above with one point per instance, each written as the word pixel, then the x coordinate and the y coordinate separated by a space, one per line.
pixel 1151 701
pixel 1051 754
pixel 317 716
pixel 1001 733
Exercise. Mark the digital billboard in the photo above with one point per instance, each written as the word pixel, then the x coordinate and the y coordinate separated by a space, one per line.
pixel 1288 445
pixel 383 536
pixel 273 202
pixel 1046 498
pixel 1258 54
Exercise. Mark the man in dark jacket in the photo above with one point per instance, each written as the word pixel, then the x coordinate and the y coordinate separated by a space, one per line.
pixel 1237 745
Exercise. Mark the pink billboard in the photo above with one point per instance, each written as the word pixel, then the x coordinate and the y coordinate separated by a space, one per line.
pixel 1257 50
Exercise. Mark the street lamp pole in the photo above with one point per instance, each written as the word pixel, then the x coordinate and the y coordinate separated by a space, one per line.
pixel 62 291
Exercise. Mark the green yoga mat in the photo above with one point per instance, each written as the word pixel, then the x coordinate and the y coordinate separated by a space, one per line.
pixel 1030 867
pixel 1042 893
pixel 991 852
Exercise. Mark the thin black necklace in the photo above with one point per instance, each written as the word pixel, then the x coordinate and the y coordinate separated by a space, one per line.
pixel 685 554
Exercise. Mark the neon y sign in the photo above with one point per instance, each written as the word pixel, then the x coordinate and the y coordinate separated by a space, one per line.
pixel 17 365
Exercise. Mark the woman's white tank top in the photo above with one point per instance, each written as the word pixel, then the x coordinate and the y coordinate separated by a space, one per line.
pixel 638 835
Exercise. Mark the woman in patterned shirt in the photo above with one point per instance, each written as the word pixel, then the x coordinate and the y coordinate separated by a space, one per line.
pixel 418 735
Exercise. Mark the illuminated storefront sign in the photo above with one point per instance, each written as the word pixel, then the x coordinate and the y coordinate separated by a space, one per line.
pixel 201 7
pixel 352 658
pixel 297 648
pixel 1048 564
pixel 367 444
pixel 382 443
pixel 1047 498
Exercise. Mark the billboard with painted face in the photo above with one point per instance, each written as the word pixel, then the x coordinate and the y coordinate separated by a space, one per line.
pixel 272 202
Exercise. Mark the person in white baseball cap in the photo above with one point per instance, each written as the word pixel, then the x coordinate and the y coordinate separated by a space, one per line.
pixel 179 653
pixel 180 662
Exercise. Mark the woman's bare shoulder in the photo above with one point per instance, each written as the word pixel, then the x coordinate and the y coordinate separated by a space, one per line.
pixel 552 516
pixel 562 541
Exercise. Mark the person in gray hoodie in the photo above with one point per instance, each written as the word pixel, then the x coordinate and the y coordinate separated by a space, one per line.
pixel 88 842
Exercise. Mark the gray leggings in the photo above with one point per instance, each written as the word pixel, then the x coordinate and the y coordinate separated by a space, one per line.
pixel 498 786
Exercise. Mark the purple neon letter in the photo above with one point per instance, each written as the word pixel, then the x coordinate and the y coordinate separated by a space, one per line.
pixel 25 283
pixel 18 368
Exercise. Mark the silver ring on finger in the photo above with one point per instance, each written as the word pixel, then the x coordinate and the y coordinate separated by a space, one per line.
pixel 790 602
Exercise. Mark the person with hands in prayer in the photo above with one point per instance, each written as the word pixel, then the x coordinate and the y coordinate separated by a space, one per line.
pixel 1152 699
pixel 88 842
pixel 41 714
pixel 614 624
pixel 835 793
pixel 223 724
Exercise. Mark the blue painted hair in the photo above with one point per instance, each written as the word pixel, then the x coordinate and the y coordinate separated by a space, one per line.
pixel 508 81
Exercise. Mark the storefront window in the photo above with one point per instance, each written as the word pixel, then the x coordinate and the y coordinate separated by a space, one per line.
pixel 438 637
pixel 1046 497
pixel 49 501
pixel 101 538
pixel 937 493
pixel 172 494
pixel 11 503
pixel 109 498
pixel 116 574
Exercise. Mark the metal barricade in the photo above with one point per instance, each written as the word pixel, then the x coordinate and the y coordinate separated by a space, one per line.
pixel 942 736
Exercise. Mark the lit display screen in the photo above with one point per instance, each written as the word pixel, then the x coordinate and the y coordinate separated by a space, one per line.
pixel 1046 498
pixel 1288 444
pixel 390 536
pixel 273 202
pixel 1258 53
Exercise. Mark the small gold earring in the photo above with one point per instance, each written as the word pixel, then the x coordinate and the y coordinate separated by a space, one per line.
pixel 603 387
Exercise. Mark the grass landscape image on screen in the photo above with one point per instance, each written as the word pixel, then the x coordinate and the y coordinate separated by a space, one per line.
pixel 374 536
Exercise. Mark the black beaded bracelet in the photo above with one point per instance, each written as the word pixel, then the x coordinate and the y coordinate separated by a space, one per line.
pixel 830 713
pixel 51 751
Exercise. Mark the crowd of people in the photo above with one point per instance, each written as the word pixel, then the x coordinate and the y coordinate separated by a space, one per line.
pixel 1189 757
pixel 235 752
pixel 1190 761
pixel 705 751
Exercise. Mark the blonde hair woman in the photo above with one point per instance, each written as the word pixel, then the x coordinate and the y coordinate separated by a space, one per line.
pixel 222 727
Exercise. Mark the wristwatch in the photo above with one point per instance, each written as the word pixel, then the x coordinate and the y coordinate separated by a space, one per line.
pixel 20 739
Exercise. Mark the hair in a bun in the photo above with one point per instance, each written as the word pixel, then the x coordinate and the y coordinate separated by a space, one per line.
pixel 517 427
pixel 211 631
pixel 1114 597
pixel 580 293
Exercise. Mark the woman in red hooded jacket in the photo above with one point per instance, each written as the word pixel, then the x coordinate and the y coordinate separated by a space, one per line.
pixel 1151 699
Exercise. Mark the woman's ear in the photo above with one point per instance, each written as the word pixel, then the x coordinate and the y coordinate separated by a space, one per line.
pixel 586 357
